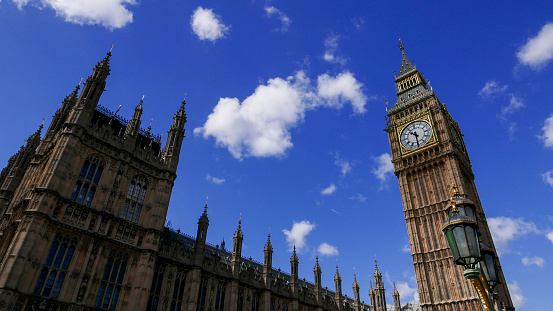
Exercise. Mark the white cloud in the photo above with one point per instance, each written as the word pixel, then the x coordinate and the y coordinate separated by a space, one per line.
pixel 407 291
pixel 384 166
pixel 359 197
pixel 207 25
pixel 548 177
pixel 513 128
pixel 329 190
pixel 550 236
pixel 260 125
pixel 326 249
pixel 547 129
pixel 492 88
pixel 538 261
pixel 345 166
pixel 331 47
pixel 108 13
pixel 358 22
pixel 406 248
pixel 538 50
pixel 296 236
pixel 505 230
pixel 515 104
pixel 274 12
pixel 215 180
pixel 342 88
pixel 516 295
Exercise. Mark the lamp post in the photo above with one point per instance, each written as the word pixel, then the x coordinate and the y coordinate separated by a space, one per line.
pixel 478 260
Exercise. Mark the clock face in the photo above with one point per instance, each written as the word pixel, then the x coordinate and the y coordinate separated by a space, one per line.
pixel 416 134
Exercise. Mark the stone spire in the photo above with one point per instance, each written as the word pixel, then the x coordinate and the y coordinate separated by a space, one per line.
pixel 95 83
pixel 175 136
pixel 395 294
pixel 338 288
pixel 237 248
pixel 268 262
pixel 134 124
pixel 13 173
pixel 201 235
pixel 379 291
pixel 318 284
pixel 371 297
pixel 356 298
pixel 406 66
pixel 294 265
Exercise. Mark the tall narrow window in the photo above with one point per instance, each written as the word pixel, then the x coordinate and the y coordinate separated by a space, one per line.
pixel 55 267
pixel 155 290
pixel 88 179
pixel 178 292
pixel 201 296
pixel 135 198
pixel 110 286
pixel 220 298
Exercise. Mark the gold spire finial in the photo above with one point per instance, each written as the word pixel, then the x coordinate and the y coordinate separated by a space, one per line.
pixel 111 48
pixel 143 96
pixel 401 47
pixel 80 81
pixel 43 120
pixel 454 189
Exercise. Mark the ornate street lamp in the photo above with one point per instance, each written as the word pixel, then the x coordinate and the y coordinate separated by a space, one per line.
pixel 461 233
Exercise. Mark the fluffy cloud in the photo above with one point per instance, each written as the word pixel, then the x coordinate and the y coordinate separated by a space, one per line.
pixel 340 89
pixel 215 180
pixel 326 249
pixel 505 230
pixel 538 50
pixel 538 261
pixel 260 125
pixel 345 166
pixel 108 13
pixel 384 166
pixel 329 190
pixel 296 236
pixel 515 104
pixel 550 236
pixel 516 295
pixel 547 129
pixel 331 47
pixel 548 178
pixel 492 88
pixel 207 25
pixel 274 12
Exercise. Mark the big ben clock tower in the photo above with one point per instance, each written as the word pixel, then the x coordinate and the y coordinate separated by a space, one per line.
pixel 429 155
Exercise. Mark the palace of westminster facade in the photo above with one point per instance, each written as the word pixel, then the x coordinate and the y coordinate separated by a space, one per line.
pixel 83 212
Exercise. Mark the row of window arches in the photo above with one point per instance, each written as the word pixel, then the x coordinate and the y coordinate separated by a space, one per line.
pixel 87 184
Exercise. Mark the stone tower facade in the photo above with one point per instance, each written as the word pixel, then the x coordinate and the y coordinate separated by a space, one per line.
pixel 82 226
pixel 82 217
pixel 429 155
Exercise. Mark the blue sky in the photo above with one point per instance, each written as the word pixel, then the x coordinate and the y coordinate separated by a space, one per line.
pixel 286 106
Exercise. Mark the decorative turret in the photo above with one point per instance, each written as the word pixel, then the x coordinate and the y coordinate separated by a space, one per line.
pixel 172 148
pixel 237 248
pixel 11 175
pixel 338 288
pixel 379 291
pixel 268 262
pixel 318 285
pixel 82 112
pixel 61 114
pixel 395 294
pixel 356 298
pixel 294 264
pixel 95 83
pixel 371 297
pixel 134 124
pixel 199 246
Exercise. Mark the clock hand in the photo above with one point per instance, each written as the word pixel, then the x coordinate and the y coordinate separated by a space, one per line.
pixel 416 137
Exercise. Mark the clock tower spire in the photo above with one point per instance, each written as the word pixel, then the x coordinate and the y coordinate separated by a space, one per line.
pixel 429 155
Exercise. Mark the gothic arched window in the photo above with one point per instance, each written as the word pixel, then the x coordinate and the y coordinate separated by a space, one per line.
pixel 110 286
pixel 55 267
pixel 88 179
pixel 135 198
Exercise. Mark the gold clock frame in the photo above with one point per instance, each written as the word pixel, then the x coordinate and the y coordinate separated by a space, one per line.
pixel 431 142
